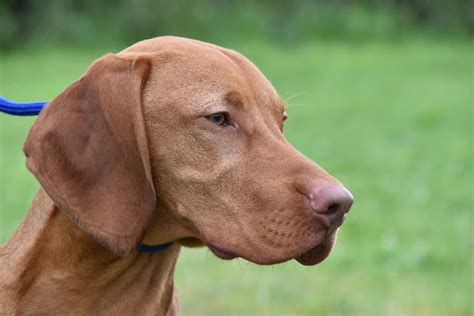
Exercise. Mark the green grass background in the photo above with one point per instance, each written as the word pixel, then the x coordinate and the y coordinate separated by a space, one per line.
pixel 392 121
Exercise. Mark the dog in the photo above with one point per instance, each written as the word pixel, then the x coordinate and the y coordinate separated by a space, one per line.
pixel 171 142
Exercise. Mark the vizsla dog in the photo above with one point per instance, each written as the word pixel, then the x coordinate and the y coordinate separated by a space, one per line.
pixel 170 140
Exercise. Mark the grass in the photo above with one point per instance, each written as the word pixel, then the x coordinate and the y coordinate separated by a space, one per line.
pixel 393 121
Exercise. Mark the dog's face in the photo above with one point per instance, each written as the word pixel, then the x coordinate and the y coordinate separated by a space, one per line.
pixel 218 160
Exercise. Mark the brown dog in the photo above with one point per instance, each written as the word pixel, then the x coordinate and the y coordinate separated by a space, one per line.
pixel 169 140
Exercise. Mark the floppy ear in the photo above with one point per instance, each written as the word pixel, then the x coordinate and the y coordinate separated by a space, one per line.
pixel 88 149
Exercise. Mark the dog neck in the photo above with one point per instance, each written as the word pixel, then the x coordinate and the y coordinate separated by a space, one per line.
pixel 51 266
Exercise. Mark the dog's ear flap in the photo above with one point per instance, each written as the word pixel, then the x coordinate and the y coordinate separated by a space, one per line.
pixel 88 149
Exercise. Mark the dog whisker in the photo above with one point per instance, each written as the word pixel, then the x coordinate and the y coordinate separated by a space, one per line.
pixel 294 95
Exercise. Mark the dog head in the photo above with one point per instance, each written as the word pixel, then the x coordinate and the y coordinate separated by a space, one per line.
pixel 183 134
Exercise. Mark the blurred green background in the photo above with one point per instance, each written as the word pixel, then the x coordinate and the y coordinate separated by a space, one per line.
pixel 380 93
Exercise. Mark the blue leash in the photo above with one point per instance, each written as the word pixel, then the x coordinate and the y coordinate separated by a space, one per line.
pixel 34 108
pixel 21 108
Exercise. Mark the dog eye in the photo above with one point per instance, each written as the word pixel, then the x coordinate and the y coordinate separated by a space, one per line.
pixel 285 116
pixel 219 119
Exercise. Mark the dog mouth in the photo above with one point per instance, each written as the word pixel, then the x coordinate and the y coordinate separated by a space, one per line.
pixel 311 257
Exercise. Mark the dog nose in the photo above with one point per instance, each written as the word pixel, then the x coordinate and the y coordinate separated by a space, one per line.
pixel 332 203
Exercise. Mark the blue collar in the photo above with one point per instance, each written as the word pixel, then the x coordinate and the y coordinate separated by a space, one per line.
pixel 34 108
pixel 154 248
pixel 21 108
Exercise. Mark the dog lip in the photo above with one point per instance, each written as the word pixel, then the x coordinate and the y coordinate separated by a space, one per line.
pixel 221 252
pixel 316 254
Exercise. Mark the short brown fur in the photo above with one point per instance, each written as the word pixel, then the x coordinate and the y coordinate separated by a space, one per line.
pixel 126 155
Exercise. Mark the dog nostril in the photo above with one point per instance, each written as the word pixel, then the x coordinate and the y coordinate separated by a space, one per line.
pixel 332 209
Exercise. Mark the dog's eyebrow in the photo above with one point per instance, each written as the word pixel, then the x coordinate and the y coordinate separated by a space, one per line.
pixel 234 98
